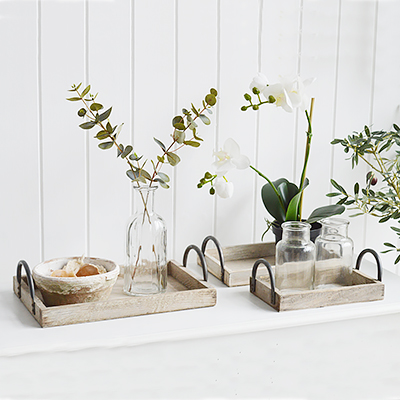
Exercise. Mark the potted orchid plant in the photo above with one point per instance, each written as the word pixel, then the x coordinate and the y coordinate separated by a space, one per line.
pixel 282 199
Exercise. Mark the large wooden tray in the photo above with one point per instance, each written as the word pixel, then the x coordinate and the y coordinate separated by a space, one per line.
pixel 239 261
pixel 184 291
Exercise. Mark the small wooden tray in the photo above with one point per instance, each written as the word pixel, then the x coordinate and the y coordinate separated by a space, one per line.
pixel 184 291
pixel 359 288
pixel 238 261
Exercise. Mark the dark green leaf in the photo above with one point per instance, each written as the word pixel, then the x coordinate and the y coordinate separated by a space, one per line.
pixel 173 158
pixel 120 149
pixel 105 114
pixel 384 219
pixel 74 99
pixel 177 120
pixel 356 188
pixel 180 126
pixel 325 212
pixel 102 135
pixel 87 125
pixel 96 106
pixel 338 187
pixel 109 128
pixel 106 145
pixel 333 194
pixel 126 151
pixel 286 190
pixel 191 143
pixel 397 259
pixel 162 183
pixel 161 144
pixel 389 245
pixel 211 99
pixel 86 91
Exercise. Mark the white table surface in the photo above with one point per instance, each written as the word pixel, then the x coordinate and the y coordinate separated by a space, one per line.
pixel 240 348
pixel 236 311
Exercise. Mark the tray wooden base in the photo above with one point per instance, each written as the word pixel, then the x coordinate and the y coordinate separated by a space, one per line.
pixel 184 291
pixel 361 288
pixel 239 261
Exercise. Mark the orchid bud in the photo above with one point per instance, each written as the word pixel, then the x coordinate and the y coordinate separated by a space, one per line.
pixel 271 99
pixel 255 90
pixel 247 97
pixel 244 108
pixel 255 107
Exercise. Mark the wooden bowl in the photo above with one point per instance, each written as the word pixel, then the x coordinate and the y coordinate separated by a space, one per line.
pixel 70 290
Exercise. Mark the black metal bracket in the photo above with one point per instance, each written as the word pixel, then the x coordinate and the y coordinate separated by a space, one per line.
pixel 253 280
pixel 220 253
pixel 29 279
pixel 201 256
pixel 377 259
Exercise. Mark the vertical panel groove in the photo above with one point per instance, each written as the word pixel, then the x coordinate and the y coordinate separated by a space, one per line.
pixel 371 110
pixel 132 85
pixel 257 131
pixel 175 102
pixel 86 136
pixel 218 84
pixel 40 127
pixel 298 71
pixel 335 94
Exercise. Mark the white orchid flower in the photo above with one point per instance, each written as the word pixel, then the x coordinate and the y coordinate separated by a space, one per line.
pixel 223 188
pixel 289 93
pixel 259 81
pixel 229 158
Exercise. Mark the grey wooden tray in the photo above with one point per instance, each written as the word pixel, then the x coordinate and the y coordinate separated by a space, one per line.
pixel 184 291
pixel 359 288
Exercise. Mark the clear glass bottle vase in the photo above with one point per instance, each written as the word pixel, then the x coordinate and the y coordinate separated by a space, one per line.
pixel 295 258
pixel 334 254
pixel 146 247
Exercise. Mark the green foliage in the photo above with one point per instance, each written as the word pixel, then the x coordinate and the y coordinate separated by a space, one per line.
pixel 108 134
pixel 372 148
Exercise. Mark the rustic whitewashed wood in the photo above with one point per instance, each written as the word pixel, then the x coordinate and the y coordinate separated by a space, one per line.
pixel 184 291
pixel 239 261
pixel 361 289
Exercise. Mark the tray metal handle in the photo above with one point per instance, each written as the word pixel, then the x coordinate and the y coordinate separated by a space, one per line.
pixel 220 253
pixel 29 279
pixel 201 256
pixel 377 259
pixel 253 280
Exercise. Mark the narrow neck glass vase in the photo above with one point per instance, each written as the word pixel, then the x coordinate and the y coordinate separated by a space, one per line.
pixel 146 247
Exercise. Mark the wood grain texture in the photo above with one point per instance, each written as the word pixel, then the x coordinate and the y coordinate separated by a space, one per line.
pixel 184 292
pixel 239 261
pixel 361 289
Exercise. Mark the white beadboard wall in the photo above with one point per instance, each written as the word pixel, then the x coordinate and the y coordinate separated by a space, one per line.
pixel 61 195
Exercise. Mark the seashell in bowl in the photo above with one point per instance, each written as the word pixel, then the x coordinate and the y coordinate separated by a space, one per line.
pixel 60 290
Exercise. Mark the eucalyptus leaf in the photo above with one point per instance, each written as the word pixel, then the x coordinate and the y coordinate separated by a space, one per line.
pixel 96 107
pixel 163 176
pixel 106 145
pixel 179 136
pixel 205 119
pixel 191 143
pixel 128 149
pixel 173 158
pixel 74 99
pixel 105 114
pixel 211 99
pixel 180 126
pixel 86 91
pixel 161 144
pixel 162 183
pixel 102 135
pixel 87 125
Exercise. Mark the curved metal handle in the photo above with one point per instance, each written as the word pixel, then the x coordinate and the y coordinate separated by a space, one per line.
pixel 271 277
pixel 29 279
pixel 202 259
pixel 377 259
pixel 220 253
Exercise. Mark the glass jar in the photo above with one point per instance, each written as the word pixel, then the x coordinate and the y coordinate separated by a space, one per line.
pixel 334 254
pixel 295 258
pixel 146 247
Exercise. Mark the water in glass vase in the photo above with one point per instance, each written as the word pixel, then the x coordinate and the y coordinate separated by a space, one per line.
pixel 146 247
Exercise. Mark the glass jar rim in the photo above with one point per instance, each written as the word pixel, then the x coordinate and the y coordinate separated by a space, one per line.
pixel 335 221
pixel 144 187
pixel 296 225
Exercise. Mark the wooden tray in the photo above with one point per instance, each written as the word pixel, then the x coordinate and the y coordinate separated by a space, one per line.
pixel 359 288
pixel 184 291
pixel 238 261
